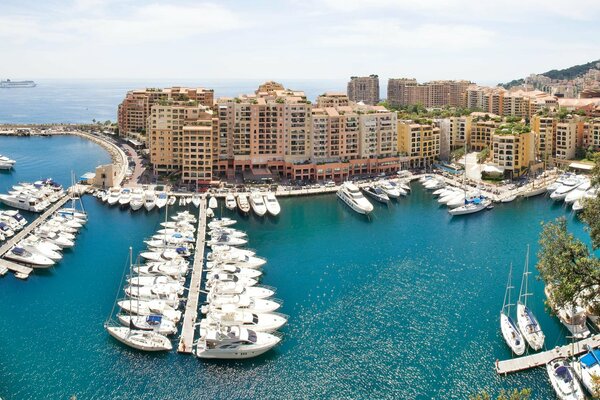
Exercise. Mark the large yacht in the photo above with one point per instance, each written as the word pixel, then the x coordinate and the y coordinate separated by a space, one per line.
pixel 140 339
pixel 351 195
pixel 564 383
pixel 258 204
pixel 272 204
pixel 587 369
pixel 234 343
pixel 24 201
pixel 6 163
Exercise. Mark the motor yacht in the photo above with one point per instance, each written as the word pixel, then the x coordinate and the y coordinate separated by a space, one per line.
pixel 172 200
pixel 16 216
pixel 227 231
pixel 114 195
pixel 257 203
pixel 564 382
pixel 25 202
pixel 125 197
pixel 243 302
pixel 154 280
pixel 23 256
pixel 578 192
pixel 221 223
pixel 225 250
pixel 230 201
pixel 567 186
pixel 237 259
pixel 166 255
pixel 58 239
pixel 376 193
pixel 351 195
pixel 212 202
pixel 259 322
pixel 150 307
pixel 6 163
pixel 241 272
pixel 6 230
pixel 161 199
pixel 196 198
pixel 243 204
pixel 272 204
pixel 233 288
pixel 222 277
pixel 233 342
pixel 226 239
pixel 137 199
pixel 392 191
pixel 40 247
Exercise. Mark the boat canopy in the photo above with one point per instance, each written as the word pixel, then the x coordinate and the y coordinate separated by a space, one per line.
pixel 563 373
pixel 154 319
pixel 590 359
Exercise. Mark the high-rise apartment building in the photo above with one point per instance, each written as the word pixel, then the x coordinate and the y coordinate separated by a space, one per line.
pixel 483 127
pixel 544 128
pixel 512 148
pixel 403 92
pixel 364 89
pixel 419 142
pixel 134 110
pixel 181 138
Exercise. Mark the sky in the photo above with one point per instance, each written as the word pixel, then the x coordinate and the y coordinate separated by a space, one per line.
pixel 479 40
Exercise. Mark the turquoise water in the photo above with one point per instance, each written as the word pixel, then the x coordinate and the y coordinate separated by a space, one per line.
pixel 403 306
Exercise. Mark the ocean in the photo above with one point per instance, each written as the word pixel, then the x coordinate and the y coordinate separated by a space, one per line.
pixel 82 101
pixel 404 306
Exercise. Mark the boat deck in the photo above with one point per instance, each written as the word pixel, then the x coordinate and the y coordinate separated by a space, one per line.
pixel 18 268
pixel 186 339
pixel 539 359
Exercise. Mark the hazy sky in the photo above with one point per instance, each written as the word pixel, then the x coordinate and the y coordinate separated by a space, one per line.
pixel 485 41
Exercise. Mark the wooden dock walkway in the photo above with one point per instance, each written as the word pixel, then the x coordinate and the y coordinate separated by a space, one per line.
pixel 540 359
pixel 26 231
pixel 186 339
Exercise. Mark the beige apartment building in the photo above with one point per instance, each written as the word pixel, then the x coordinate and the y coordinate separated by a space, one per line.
pixel 483 127
pixel 134 110
pixel 460 131
pixel 544 128
pixel 181 139
pixel 403 92
pixel 419 142
pixel 513 148
pixel 364 89
pixel 566 140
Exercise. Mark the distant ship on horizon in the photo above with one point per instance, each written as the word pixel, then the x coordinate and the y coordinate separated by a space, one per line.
pixel 7 84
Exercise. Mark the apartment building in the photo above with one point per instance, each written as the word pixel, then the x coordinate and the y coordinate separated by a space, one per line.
pixel 364 89
pixel 403 92
pixel 181 139
pixel 566 140
pixel 333 99
pixel 134 110
pixel 544 128
pixel 419 142
pixel 483 127
pixel 512 148
pixel 459 131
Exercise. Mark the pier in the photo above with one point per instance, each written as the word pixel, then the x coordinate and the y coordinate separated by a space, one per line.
pixel 18 268
pixel 539 359
pixel 186 339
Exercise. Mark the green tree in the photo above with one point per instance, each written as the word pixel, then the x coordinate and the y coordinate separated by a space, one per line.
pixel 523 394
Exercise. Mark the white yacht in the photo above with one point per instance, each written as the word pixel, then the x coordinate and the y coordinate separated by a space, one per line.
pixel 125 197
pixel 212 202
pixel 154 280
pixel 242 203
pixel 472 207
pixel 196 200
pixel 213 279
pixel 223 250
pixel 230 201
pixel 23 256
pixel 140 339
pixel 390 190
pixel 376 193
pixel 113 196
pixel 578 192
pixel 567 185
pixel 166 255
pixel 272 204
pixel 155 323
pixel 226 239
pixel 241 272
pixel 150 307
pixel 239 260
pixel 40 247
pixel 221 223
pixel 234 343
pixel 162 269
pixel 528 324
pixel 137 199
pixel 172 200
pixel 16 216
pixel 243 302
pixel 259 322
pixel 559 181
pixel 587 369
pixel 509 330
pixel 351 195
pixel 227 231
pixel 6 230
pixel 434 184
pixel 25 202
pixel 234 288
pixel 149 200
pixel 161 199
pixel 58 239
pixel 6 163
pixel 565 384
pixel 257 203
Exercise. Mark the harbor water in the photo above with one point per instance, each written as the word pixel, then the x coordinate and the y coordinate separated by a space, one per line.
pixel 405 305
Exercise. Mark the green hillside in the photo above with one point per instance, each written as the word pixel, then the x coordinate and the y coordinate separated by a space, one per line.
pixel 567 73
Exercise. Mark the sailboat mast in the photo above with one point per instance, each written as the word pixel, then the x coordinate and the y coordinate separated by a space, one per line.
pixel 507 291
pixel 526 277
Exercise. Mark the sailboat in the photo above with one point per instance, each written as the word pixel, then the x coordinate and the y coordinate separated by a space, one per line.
pixel 137 338
pixel 527 322
pixel 511 334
